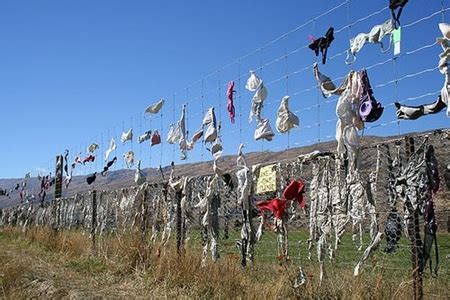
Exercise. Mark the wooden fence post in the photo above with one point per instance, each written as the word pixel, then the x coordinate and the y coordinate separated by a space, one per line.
pixel 414 236
pixel 56 202
pixel 179 217
pixel 94 221
pixel 144 211
pixel 58 176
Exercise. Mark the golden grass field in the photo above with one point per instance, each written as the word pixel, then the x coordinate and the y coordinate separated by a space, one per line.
pixel 40 263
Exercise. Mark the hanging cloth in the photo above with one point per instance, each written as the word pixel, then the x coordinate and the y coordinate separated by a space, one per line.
pixel 92 147
pixel 89 158
pixel 397 4
pixel 66 164
pixel 145 137
pixel 324 82
pixel 350 138
pixel 373 246
pixel 127 136
pixel 174 134
pixel 230 103
pixel 244 185
pixel 217 148
pixel 326 85
pixel 155 139
pixel 275 206
pixel 77 160
pixel 197 136
pixel 244 180
pixel 322 44
pixel 414 112
pixel 139 177
pixel 347 111
pixel 155 108
pixel 91 178
pixel 68 179
pixel 68 175
pixel 443 62
pixel 255 84
pixel 286 120
pixel 178 134
pixel 370 110
pixel 267 180
pixel 295 191
pixel 112 147
pixel 392 231
pixel 375 36
pixel 108 165
pixel 430 238
pixel 129 158
pixel 240 160
pixel 182 142
pixel 443 41
pixel 210 121
pixel 264 130
pixel 258 102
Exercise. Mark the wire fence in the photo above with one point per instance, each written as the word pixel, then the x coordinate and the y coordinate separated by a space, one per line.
pixel 346 221
pixel 349 218
pixel 281 64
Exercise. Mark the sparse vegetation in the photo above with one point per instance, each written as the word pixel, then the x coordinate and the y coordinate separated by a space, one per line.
pixel 43 263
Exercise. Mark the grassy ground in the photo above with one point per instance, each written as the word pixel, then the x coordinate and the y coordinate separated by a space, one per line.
pixel 41 263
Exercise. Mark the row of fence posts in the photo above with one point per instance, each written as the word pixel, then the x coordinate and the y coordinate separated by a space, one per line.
pixel 413 228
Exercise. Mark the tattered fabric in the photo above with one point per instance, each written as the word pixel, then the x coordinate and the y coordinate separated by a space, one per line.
pixel 230 102
pixel 255 84
pixel 145 137
pixel 375 36
pixel 286 120
pixel 112 147
pixel 264 131
pixel 127 136
pixel 155 108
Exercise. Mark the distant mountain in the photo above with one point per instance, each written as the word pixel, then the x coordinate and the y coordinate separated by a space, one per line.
pixel 124 178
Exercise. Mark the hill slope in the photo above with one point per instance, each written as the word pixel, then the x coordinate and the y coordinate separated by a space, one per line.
pixel 124 178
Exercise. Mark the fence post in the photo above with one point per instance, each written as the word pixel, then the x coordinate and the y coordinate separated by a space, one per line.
pixel 94 221
pixel 58 176
pixel 144 211
pixel 179 221
pixel 54 216
pixel 414 236
pixel 56 202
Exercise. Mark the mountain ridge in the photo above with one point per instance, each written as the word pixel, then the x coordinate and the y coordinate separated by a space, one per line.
pixel 123 178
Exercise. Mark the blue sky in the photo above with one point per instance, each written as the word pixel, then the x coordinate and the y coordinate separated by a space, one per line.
pixel 77 72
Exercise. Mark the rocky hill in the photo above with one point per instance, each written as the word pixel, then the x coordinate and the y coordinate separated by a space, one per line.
pixel 124 178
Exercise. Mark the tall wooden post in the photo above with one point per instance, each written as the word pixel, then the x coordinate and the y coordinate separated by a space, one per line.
pixel 94 222
pixel 58 176
pixel 178 196
pixel 56 203
pixel 414 236
pixel 144 211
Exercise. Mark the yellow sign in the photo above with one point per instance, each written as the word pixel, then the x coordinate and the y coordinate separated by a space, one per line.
pixel 267 180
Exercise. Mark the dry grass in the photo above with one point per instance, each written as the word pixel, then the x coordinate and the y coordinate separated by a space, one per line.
pixel 10 273
pixel 126 265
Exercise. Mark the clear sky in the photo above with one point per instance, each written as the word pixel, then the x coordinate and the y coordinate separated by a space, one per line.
pixel 76 72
